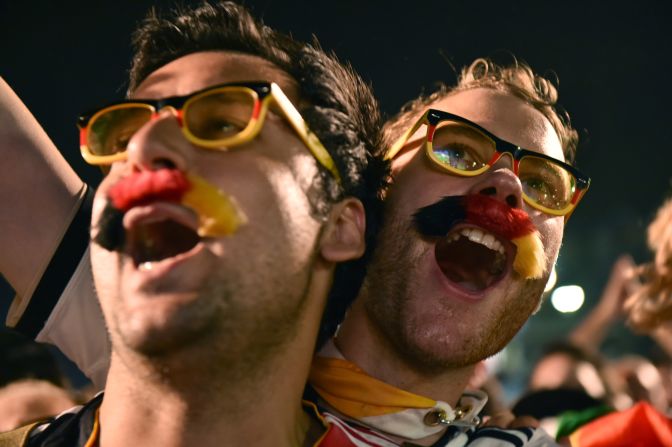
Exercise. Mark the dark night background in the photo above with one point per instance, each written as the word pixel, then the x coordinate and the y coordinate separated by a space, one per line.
pixel 612 60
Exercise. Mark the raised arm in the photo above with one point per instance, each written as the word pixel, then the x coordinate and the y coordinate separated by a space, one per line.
pixel 591 332
pixel 44 233
pixel 39 193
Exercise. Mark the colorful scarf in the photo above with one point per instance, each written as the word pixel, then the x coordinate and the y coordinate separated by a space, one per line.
pixel 352 392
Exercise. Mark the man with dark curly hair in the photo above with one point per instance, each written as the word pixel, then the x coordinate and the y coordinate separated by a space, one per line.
pixel 239 168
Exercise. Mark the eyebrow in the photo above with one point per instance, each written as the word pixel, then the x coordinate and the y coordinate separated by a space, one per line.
pixel 463 129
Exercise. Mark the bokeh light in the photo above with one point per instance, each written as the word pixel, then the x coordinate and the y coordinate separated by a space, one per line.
pixel 567 299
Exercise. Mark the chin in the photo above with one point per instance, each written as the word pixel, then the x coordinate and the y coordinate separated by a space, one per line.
pixel 457 337
pixel 160 331
pixel 438 351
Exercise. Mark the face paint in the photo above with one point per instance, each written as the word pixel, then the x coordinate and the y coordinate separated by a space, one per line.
pixel 514 224
pixel 218 214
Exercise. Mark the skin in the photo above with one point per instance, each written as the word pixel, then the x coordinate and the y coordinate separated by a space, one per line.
pixel 234 318
pixel 174 320
pixel 593 329
pixel 49 199
pixel 26 401
pixel 407 327
pixel 554 371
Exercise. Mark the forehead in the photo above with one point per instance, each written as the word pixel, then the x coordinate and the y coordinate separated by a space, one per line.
pixel 197 71
pixel 506 116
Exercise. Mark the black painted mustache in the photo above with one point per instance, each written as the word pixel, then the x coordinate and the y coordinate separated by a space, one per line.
pixel 110 235
pixel 437 219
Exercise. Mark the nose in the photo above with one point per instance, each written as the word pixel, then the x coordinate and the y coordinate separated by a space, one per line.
pixel 500 183
pixel 159 144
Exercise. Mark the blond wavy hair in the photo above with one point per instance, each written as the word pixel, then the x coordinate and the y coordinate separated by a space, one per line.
pixel 517 79
pixel 651 305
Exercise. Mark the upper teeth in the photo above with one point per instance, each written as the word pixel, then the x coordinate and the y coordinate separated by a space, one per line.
pixel 480 237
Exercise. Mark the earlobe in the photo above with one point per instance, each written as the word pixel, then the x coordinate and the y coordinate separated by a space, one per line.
pixel 343 239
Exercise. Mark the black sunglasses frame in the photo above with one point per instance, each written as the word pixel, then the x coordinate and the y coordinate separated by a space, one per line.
pixel 434 117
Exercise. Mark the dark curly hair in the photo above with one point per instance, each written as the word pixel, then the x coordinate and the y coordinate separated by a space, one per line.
pixel 336 103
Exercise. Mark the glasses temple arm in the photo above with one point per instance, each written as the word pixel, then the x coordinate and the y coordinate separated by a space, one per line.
pixel 401 142
pixel 309 138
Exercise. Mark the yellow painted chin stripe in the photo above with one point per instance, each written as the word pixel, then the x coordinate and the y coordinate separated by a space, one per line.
pixel 218 213
pixel 354 393
pixel 530 260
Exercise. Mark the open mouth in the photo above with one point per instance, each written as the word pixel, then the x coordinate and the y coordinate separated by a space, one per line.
pixel 158 240
pixel 472 258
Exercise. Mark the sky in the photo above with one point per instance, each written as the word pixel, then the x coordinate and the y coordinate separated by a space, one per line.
pixel 611 60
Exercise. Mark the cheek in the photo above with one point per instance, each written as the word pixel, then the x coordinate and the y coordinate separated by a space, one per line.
pixel 105 274
pixel 401 162
pixel 420 184
pixel 552 230
pixel 279 214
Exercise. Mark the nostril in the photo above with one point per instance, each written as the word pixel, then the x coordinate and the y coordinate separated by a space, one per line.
pixel 512 201
pixel 489 191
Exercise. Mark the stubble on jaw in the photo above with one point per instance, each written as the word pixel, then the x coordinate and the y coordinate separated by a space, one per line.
pixel 231 338
pixel 391 299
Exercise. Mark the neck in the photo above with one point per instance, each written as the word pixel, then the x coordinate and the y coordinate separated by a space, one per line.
pixel 213 393
pixel 360 341
pixel 144 406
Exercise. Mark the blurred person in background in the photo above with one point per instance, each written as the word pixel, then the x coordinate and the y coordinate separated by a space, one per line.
pixel 32 386
pixel 26 401
pixel 648 310
pixel 565 380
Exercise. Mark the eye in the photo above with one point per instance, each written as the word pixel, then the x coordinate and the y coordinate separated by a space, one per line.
pixel 119 142
pixel 461 147
pixel 537 187
pixel 217 127
pixel 219 114
pixel 113 129
pixel 549 192
pixel 546 183
pixel 211 119
pixel 458 156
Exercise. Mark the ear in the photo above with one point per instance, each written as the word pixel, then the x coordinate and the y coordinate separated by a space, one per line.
pixel 343 237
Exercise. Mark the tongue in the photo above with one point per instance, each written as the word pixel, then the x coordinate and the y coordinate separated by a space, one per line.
pixel 465 263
